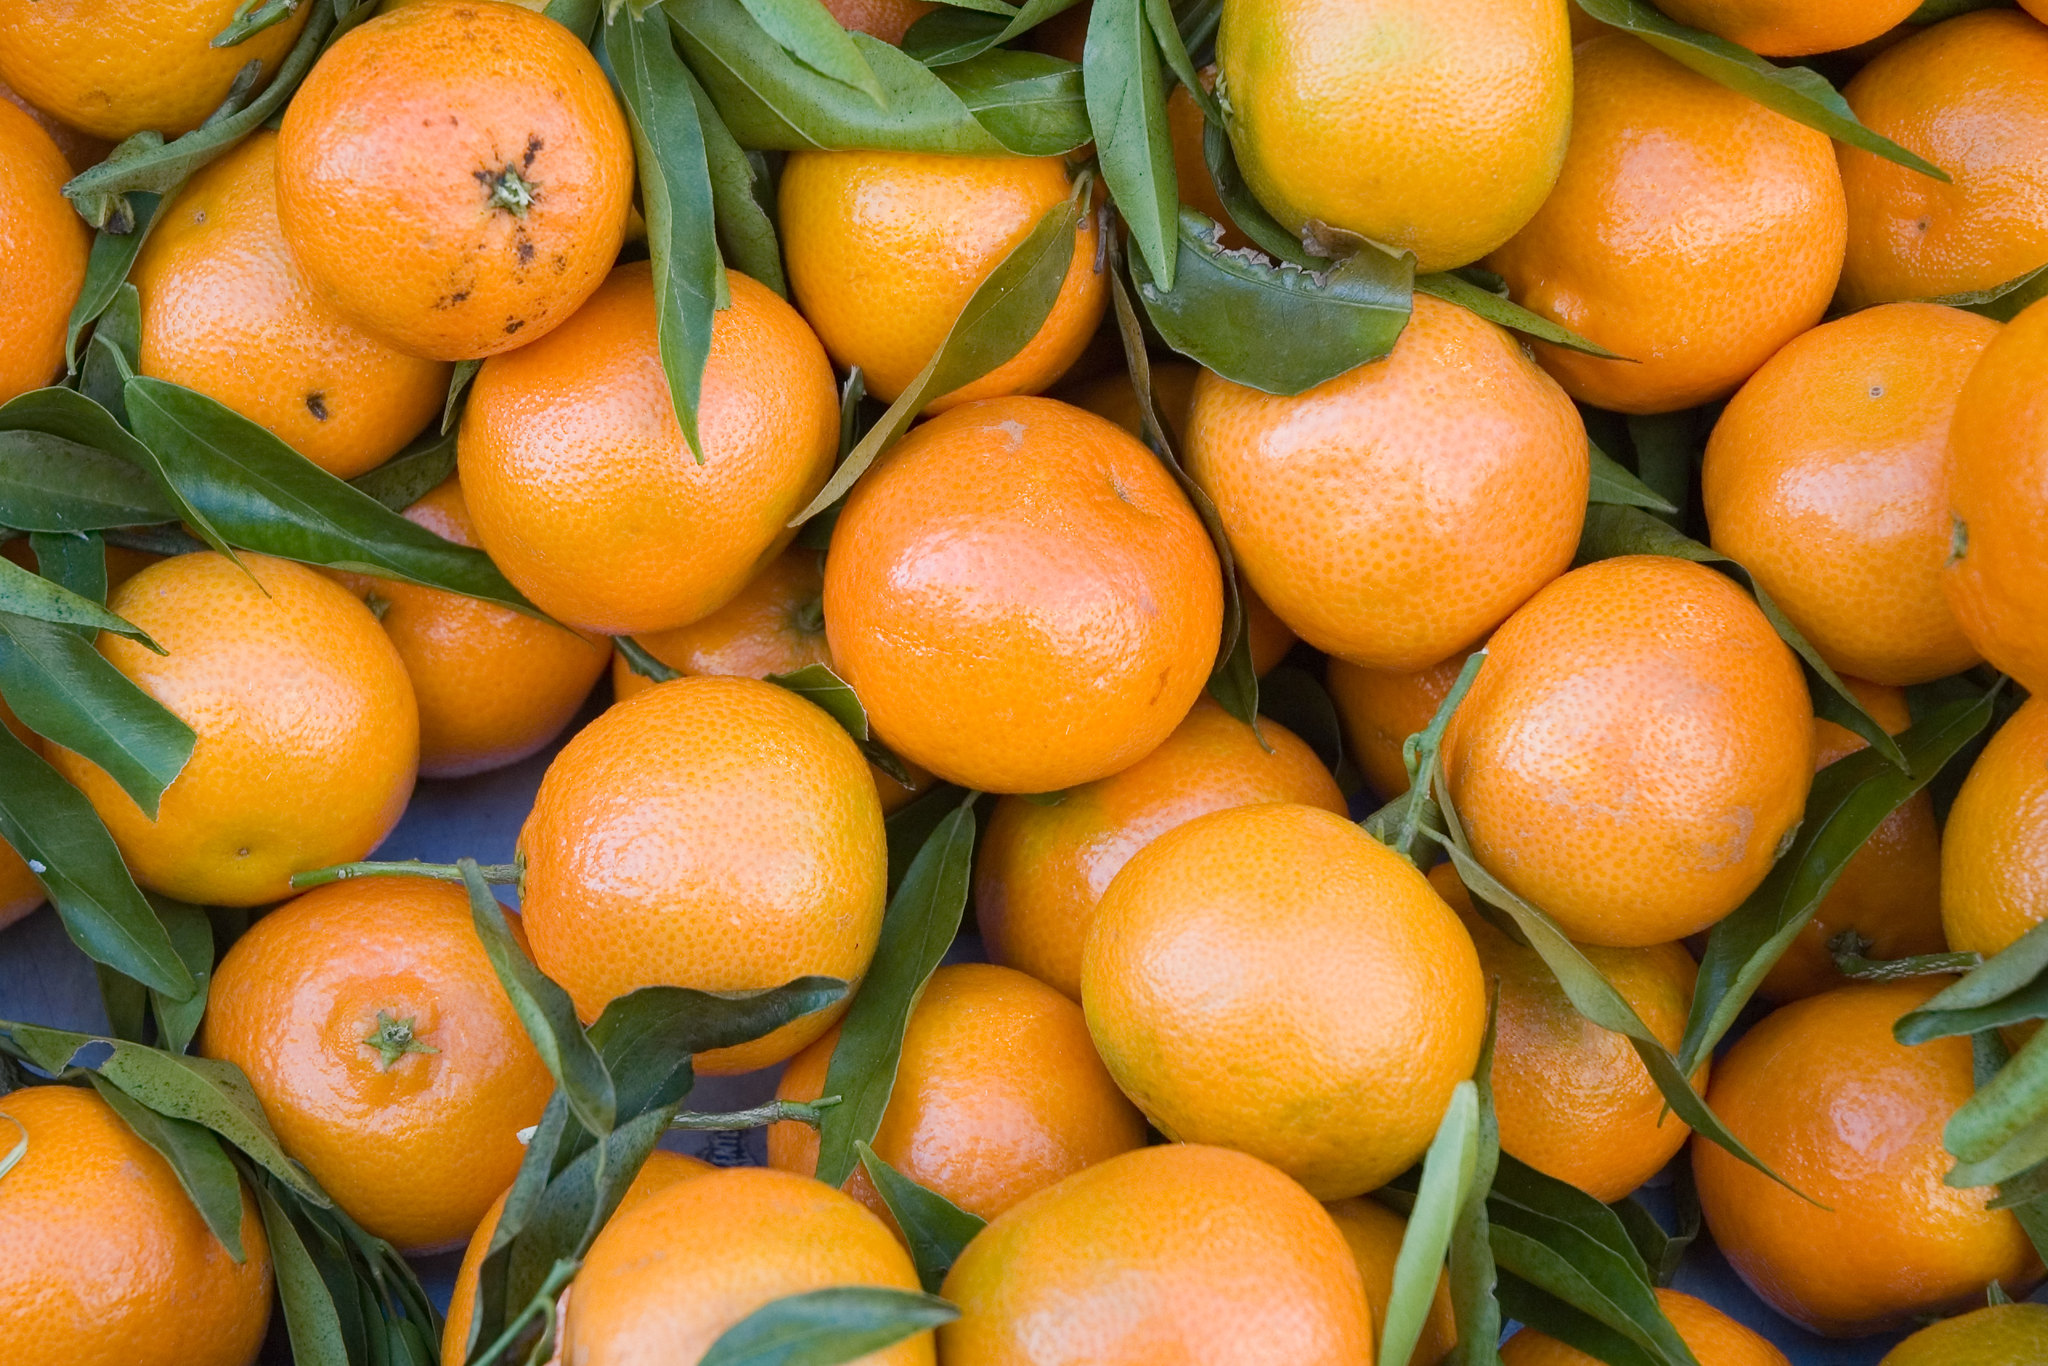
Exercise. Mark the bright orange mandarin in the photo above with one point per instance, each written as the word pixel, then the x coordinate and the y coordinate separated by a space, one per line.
pixel 116 69
pixel 587 496
pixel 1792 28
pixel 20 891
pixel 1396 514
pixel 1022 596
pixel 1633 750
pixel 1823 478
pixel 1888 1239
pixel 308 731
pixel 888 20
pixel 1715 1339
pixel 80 149
pixel 43 245
pixel 486 234
pixel 1890 892
pixel 1971 95
pixel 999 1095
pixel 1187 128
pixel 1374 1233
pixel 716 833
pixel 108 1263
pixel 493 685
pixel 1996 1335
pixel 226 311
pixel 1042 869
pixel 1693 232
pixel 1273 979
pixel 670 1274
pixel 1179 1254
pixel 1994 855
pixel 885 249
pixel 1996 577
pixel 1380 708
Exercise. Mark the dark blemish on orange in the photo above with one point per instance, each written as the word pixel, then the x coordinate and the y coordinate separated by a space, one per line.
pixel 316 404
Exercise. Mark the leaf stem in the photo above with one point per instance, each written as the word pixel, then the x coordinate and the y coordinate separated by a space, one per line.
pixel 499 874
pixel 803 1112
pixel 1848 949
pixel 543 1302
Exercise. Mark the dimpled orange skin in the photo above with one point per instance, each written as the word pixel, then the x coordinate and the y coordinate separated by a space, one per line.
pixel 583 489
pixel 1996 1335
pixel 226 311
pixel 1693 232
pixel 116 69
pixel 1994 855
pixel 1792 28
pixel 1433 126
pixel 1633 751
pixel 670 1274
pixel 80 149
pixel 1380 708
pixel 1823 478
pixel 1890 892
pixel 1022 596
pixel 308 734
pixel 1374 1233
pixel 1186 1254
pixel 1888 1240
pixel 493 685
pixel 888 20
pixel 1997 577
pixel 1396 514
pixel 1273 979
pixel 43 245
pixel 108 1263
pixel 1970 95
pixel 661 1170
pixel 999 1094
pixel 399 231
pixel 715 833
pixel 925 231
pixel 1042 869
pixel 1715 1339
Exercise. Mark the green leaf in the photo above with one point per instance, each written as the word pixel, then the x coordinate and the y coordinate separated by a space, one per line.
pixel 31 596
pixel 1298 700
pixel 191 931
pixel 1126 95
pixel 1473 1275
pixel 196 1158
pixel 2002 302
pixel 1668 449
pixel 2010 988
pixel 1244 208
pixel 1277 328
pixel 807 31
pixel 910 825
pixel 50 484
pixel 1850 949
pixel 1448 1170
pixel 739 192
pixel 310 1315
pixel 1797 92
pixel 641 662
pixel 917 929
pixel 948 34
pixel 410 475
pixel 1663 1252
pixel 114 353
pixel 826 690
pixel 1612 483
pixel 999 320
pixel 1502 311
pixel 935 1228
pixel 580 17
pixel 1547 1312
pixel 76 562
pixel 251 17
pixel 826 1327
pixel 106 268
pixel 1403 824
pixel 459 380
pixel 645 1036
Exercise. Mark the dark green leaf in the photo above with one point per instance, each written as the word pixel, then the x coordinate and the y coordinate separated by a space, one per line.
pixel 1668 449
pixel 1028 101
pixel 1447 1175
pixel 31 596
pixel 641 662
pixel 1473 1275
pixel 2010 988
pixel 1126 95
pixel 76 562
pixel 910 825
pixel 645 1036
pixel 935 1228
pixel 1243 206
pixel 191 931
pixel 1520 1190
pixel 196 1158
pixel 2003 302
pixel 807 31
pixel 826 1327
pixel 114 353
pixel 1502 311
pixel 126 1002
pixel 737 191
pixel 949 35
pixel 1297 700
pixel 113 253
pixel 820 686
pixel 50 484
pixel 580 17
pixel 310 1314
pixel 1612 483
pixel 459 380
pixel 410 475
pixel 1548 1313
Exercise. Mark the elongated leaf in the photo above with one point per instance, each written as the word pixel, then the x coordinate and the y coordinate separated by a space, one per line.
pixel 113 255
pixel 1520 1187
pixel 2003 302
pixel 807 31
pixel 1447 1174
pixel 738 188
pixel 310 1315
pixel 580 17
pixel 1502 311
pixel 826 1327
pixel 1277 328
pixel 191 931
pixel 1612 483
pixel 645 1036
pixel 410 475
pixel 1797 92
pixel 909 826
pixel 2011 987
pixel 31 596
pixel 948 34
pixel 196 1159
pixel 1126 96
pixel 935 1228
pixel 1588 1264
pixel 1474 1278
pixel 1539 1308
pixel 114 353
pixel 919 926
pixel 77 563
pixel 50 484
pixel 459 380
pixel 1402 824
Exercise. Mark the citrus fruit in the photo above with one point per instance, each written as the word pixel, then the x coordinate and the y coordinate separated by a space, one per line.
pixel 1996 1335
pixel 672 1272
pixel 1187 127
pixel 1374 1233
pixel 1791 28
pixel 1396 514
pixel 1693 232
pixel 1042 868
pixel 1997 570
pixel 226 311
pixel 1380 708
pixel 80 149
pixel 308 734
pixel 1823 478
pixel 43 246
pixel 1994 854
pixel 1432 126
pixel 116 69
pixel 1022 597
pixel 1114 396
pixel 107 1260
pixel 885 249
pixel 715 833
pixel 1633 751
pixel 1715 1339
pixel 1222 985
pixel 1887 1240
pixel 586 494
pixel 486 234
pixel 998 1095
pixel 1970 95
pixel 888 20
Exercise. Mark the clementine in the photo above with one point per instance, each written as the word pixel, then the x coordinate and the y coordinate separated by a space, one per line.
pixel 1380 708
pixel 1715 1339
pixel 1994 856
pixel 1374 1234
pixel 1791 28
pixel 43 245
pixel 1996 1335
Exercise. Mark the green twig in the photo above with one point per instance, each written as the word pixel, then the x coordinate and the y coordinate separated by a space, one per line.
pixel 803 1112
pixel 500 874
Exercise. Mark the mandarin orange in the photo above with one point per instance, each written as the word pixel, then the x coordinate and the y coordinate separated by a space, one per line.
pixel 1380 708
pixel 1714 1338
pixel 1374 1234
pixel 1792 28
pixel 1994 854
pixel 43 247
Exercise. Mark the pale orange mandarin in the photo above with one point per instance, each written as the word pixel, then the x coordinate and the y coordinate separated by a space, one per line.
pixel 1994 856
pixel 43 246
pixel 1374 1233
pixel 1380 708
pixel 80 149
pixel 1715 1339
pixel 1996 1335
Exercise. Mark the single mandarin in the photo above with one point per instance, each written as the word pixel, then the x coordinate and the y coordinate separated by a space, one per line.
pixel 1273 979
pixel 43 246
pixel 1994 853
pixel 1379 709
pixel 1186 1254
pixel 584 490
pixel 488 233
pixel 1374 1233
pixel 1791 28
pixel 308 734
pixel 1823 478
pixel 1886 1239
pixel 715 833
pixel 1396 514
pixel 1996 1335
pixel 1715 1339
pixel 925 230
pixel 1022 597
pixel 1043 868
pixel 80 149
pixel 888 20
pixel 1693 233
pixel 998 1095
pixel 1633 751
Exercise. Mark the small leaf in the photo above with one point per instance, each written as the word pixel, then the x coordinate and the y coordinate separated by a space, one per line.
pixel 807 31
pixel 820 686
pixel 410 475
pixel 208 1176
pixel 641 662
pixel 935 1228
pixel 2010 988
pixel 2002 302
pixel 1447 1174
pixel 1243 207
pixel 1298 700
pixel 106 268
pixel 948 34
pixel 32 597
pixel 1612 483
pixel 1502 311
pixel 1126 95
pixel 826 1327
pixel 114 353
pixel 459 380
pixel 310 1315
